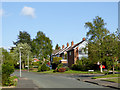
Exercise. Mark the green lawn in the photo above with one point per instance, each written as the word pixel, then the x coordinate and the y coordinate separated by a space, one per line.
pixel 107 76
pixel 116 80
pixel 67 72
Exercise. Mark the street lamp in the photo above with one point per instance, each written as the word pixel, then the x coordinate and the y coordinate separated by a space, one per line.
pixel 28 62
pixel 20 60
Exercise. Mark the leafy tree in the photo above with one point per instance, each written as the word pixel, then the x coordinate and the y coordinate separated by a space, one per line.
pixel 112 50
pixel 25 51
pixel 7 56
pixel 41 46
pixel 57 47
pixel 23 37
pixel 95 35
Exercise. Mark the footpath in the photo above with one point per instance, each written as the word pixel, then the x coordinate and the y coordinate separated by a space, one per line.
pixel 101 82
pixel 26 83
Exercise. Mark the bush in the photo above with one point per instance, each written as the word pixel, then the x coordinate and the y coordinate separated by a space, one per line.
pixel 39 69
pixel 62 69
pixel 13 80
pixel 44 68
pixel 56 61
pixel 83 65
pixel 67 68
pixel 7 69
pixel 76 67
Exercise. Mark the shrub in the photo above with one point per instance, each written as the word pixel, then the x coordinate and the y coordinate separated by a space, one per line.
pixel 62 69
pixel 39 69
pixel 67 68
pixel 7 69
pixel 76 67
pixel 56 60
pixel 45 68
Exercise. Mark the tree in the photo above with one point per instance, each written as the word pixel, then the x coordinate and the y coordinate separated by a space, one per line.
pixel 25 51
pixel 57 47
pixel 7 56
pixel 95 35
pixel 112 49
pixel 23 37
pixel 41 46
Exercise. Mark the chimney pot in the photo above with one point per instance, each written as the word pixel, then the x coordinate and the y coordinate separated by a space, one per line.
pixel 84 39
pixel 67 44
pixel 59 48
pixel 62 46
pixel 72 43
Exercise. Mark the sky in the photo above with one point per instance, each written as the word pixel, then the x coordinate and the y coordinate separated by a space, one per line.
pixel 62 22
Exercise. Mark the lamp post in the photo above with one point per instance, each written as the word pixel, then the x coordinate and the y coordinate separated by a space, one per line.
pixel 28 62
pixel 20 60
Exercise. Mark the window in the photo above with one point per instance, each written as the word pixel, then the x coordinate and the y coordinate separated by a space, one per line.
pixel 69 53
pixel 80 51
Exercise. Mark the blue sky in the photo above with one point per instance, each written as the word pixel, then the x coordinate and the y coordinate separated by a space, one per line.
pixel 61 22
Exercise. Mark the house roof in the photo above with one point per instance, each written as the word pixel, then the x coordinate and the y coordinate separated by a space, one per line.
pixel 71 48
pixel 55 51
pixel 35 59
pixel 64 50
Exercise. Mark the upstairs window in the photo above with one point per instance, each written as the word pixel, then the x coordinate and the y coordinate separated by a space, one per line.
pixel 69 53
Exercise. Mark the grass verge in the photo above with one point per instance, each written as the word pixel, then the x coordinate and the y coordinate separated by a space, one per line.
pixel 68 72
pixel 116 80
pixel 107 76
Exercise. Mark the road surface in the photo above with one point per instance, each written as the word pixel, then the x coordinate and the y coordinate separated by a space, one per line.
pixel 55 81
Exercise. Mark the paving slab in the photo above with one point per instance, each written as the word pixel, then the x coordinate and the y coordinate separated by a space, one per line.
pixel 25 83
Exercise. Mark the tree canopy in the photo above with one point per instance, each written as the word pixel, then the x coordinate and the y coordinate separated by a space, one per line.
pixel 25 51
pixel 41 46
pixel 57 47
pixel 23 37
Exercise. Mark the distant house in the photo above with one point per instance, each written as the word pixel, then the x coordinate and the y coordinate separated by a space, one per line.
pixel 76 52
pixel 35 60
pixel 60 53
pixel 71 53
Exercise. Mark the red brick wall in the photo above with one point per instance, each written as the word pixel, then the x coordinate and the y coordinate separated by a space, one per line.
pixel 75 55
pixel 70 58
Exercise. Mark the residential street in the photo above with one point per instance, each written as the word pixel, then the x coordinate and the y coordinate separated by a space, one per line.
pixel 55 81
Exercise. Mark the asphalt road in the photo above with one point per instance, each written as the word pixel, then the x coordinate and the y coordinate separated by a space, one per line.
pixel 55 81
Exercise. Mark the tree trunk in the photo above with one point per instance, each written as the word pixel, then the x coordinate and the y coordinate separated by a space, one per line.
pixel 22 65
pixel 101 68
pixel 113 69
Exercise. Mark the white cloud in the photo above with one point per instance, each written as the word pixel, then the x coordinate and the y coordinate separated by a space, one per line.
pixel 28 11
pixel 1 12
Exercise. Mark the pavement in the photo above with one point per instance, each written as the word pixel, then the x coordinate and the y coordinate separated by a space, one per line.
pixel 100 82
pixel 26 83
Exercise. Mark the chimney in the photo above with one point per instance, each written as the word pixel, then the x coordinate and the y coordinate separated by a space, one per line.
pixel 67 44
pixel 72 43
pixel 59 48
pixel 84 39
pixel 62 46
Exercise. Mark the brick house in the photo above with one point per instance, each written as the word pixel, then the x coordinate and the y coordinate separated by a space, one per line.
pixel 61 53
pixel 71 53
pixel 76 52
